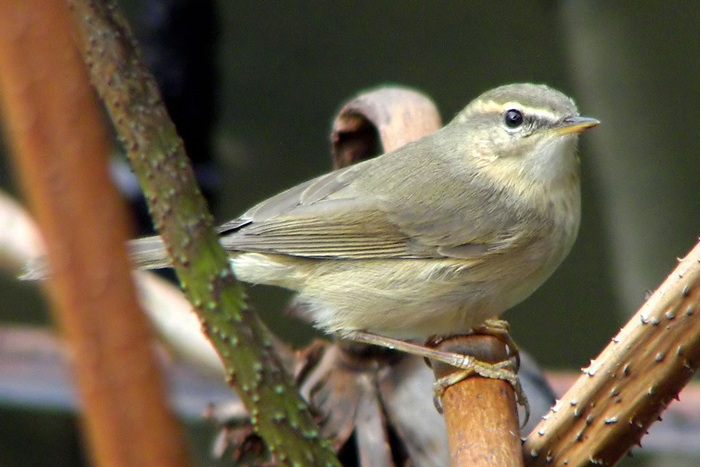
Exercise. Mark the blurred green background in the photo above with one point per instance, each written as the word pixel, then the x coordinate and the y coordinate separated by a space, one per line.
pixel 283 70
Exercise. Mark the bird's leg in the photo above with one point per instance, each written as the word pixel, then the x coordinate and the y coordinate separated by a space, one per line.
pixel 505 370
pixel 499 329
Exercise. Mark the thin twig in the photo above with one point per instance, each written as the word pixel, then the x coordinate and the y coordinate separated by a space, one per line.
pixel 180 214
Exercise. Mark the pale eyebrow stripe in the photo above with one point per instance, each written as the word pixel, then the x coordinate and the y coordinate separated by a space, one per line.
pixel 493 107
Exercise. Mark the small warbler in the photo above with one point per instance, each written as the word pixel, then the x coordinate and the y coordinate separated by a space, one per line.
pixel 433 238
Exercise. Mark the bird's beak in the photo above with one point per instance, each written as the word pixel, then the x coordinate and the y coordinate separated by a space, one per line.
pixel 575 125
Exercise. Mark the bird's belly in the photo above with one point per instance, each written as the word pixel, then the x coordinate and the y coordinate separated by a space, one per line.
pixel 403 298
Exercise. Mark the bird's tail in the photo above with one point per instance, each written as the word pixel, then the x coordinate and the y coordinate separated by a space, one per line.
pixel 144 253
pixel 148 253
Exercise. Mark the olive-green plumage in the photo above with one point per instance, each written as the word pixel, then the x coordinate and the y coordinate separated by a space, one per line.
pixel 432 238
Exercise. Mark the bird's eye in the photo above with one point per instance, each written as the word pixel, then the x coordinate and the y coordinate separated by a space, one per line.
pixel 513 119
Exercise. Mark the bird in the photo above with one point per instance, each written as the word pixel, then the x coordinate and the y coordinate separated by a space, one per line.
pixel 434 238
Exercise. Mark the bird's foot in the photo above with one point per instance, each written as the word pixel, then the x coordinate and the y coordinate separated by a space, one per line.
pixel 470 366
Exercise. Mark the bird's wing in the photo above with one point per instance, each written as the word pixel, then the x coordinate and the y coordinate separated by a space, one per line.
pixel 323 218
pixel 334 216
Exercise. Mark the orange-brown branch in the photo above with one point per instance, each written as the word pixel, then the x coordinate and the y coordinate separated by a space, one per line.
pixel 59 146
